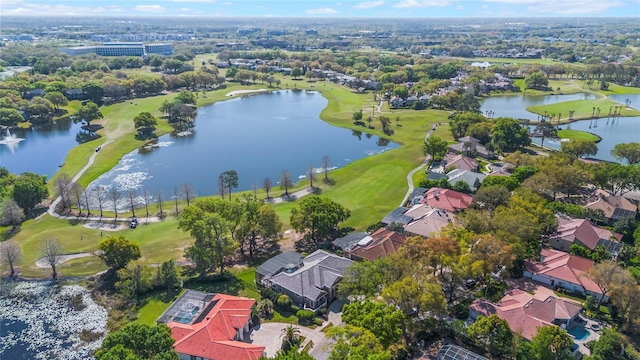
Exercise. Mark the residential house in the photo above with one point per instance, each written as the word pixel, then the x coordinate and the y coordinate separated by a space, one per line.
pixel 396 102
pixel 471 147
pixel 424 99
pixel 584 233
pixel 614 207
pixel 211 327
pixel 411 100
pixel 460 162
pixel 559 269
pixel 526 312
pixel 362 246
pixel 473 179
pixel 311 283
pixel 427 222
pixel 447 199
pixel 397 217
pixel 74 94
pixel 30 94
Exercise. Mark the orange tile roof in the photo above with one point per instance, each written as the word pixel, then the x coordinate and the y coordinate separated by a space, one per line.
pixel 525 312
pixel 447 199
pixel 213 337
pixel 584 231
pixel 385 242
pixel 566 267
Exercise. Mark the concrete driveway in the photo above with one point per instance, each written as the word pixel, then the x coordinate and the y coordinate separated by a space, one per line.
pixel 269 335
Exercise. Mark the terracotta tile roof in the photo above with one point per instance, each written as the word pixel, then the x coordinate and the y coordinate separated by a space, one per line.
pixel 566 267
pixel 213 336
pixel 526 312
pixel 447 199
pixel 383 242
pixel 584 231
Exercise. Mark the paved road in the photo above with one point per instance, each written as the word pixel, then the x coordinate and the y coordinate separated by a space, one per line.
pixel 412 172
pixel 292 197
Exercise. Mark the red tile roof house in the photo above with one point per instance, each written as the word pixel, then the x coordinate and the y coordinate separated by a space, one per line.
pixel 446 199
pixel 584 233
pixel 214 333
pixel 525 312
pixel 559 269
pixel 362 246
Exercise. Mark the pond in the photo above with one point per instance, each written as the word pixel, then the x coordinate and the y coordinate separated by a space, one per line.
pixel 620 98
pixel 612 132
pixel 42 321
pixel 257 136
pixel 514 106
pixel 43 149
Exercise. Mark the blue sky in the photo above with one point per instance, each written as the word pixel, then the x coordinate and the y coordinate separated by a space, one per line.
pixel 311 8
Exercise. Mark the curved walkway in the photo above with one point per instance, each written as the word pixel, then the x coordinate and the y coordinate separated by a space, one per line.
pixel 42 262
pixel 412 172
pixel 292 197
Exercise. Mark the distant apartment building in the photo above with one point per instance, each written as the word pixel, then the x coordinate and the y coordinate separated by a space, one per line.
pixel 122 49
pixel 18 38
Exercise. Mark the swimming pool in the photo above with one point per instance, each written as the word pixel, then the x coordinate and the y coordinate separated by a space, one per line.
pixel 579 332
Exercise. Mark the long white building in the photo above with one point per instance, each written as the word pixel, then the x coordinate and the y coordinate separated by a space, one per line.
pixel 121 49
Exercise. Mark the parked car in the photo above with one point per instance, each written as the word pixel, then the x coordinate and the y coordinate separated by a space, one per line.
pixel 470 283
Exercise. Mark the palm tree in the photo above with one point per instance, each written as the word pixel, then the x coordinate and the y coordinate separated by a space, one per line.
pixel 291 334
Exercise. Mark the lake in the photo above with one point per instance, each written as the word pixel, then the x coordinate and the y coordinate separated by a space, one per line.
pixel 514 106
pixel 620 98
pixel 43 149
pixel 622 130
pixel 257 136
pixel 40 321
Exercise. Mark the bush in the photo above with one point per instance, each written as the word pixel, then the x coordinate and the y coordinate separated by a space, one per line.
pixel 284 302
pixel 318 321
pixel 267 293
pixel 460 311
pixel 295 308
pixel 305 316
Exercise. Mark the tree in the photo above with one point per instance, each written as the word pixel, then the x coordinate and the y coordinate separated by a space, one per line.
pixel 117 252
pixel 145 124
pixel 168 276
pixel 625 292
pixel 51 251
pixel 99 193
pixel 133 280
pixel 172 65
pixel 210 229
pixel 462 186
pixel 353 342
pixel 537 80
pixel 10 254
pixel 579 148
pixel 57 99
pixel 326 165
pixel 146 197
pixel 493 333
pixel 159 199
pixel 318 217
pixel 136 340
pixel 89 112
pixel 230 180
pixel 610 346
pixel 436 147
pixel 552 343
pixel 62 188
pixel 176 197
pixel 290 336
pixel 114 196
pixel 296 72
pixel 10 213
pixel 187 192
pixel 311 174
pixel 490 197
pixel 509 134
pixel 606 275
pixel 364 278
pixel 416 295
pixel 357 116
pixel 131 194
pixel 267 185
pixel 286 181
pixel 627 151
pixel 77 192
pixel 10 117
pixel 93 91
pixel 384 321
pixel 186 97
pixel 29 190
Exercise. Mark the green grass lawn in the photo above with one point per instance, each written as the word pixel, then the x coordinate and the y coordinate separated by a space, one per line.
pixel 583 108
pixel 577 135
pixel 153 305
pixel 565 87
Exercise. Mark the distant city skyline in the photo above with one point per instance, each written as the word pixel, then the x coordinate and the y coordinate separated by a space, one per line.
pixel 329 9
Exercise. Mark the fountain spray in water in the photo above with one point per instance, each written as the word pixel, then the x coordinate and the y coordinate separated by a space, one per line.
pixel 11 140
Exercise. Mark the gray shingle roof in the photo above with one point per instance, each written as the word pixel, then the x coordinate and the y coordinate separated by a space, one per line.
pixel 397 216
pixel 347 242
pixel 279 262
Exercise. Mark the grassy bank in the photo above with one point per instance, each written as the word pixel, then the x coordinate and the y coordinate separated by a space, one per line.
pixel 578 135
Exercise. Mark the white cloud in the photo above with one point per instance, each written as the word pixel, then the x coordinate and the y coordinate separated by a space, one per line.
pixel 423 3
pixel 21 8
pixel 150 8
pixel 564 7
pixel 321 11
pixel 369 4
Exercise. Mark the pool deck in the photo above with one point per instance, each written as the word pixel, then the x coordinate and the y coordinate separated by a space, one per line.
pixel 592 335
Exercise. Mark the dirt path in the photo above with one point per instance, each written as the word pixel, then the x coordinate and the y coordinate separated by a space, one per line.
pixel 43 264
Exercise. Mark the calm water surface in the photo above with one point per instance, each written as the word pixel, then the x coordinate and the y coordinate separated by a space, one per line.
pixel 257 136
pixel 514 106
